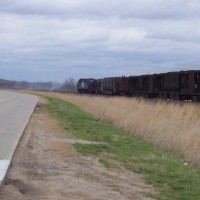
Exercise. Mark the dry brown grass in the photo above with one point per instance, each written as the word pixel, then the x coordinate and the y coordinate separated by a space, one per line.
pixel 171 125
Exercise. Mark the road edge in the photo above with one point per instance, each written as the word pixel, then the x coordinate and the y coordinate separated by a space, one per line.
pixel 6 164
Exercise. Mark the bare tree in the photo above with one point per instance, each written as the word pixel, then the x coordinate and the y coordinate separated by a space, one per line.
pixel 69 85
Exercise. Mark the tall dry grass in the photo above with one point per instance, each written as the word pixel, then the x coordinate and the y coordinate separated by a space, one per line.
pixel 170 125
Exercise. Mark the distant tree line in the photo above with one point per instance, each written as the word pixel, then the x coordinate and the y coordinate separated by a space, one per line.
pixel 69 85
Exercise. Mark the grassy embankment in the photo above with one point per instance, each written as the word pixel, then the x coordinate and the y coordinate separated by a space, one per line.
pixel 162 169
pixel 170 125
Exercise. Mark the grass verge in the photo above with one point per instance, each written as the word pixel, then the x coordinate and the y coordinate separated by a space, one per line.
pixel 105 163
pixel 162 169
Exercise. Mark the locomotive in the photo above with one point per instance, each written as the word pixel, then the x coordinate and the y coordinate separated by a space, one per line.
pixel 182 85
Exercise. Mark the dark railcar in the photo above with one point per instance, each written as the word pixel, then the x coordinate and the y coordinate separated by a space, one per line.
pixel 183 85
pixel 158 84
pixel 141 86
pixel 166 85
pixel 193 89
pixel 124 88
pixel 110 86
pixel 146 82
pixel 134 83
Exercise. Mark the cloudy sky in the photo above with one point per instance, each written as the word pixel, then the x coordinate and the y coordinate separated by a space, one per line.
pixel 55 40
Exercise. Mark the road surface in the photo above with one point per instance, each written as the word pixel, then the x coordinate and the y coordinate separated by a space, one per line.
pixel 15 111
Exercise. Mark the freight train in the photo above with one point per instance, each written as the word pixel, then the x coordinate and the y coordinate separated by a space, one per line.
pixel 182 85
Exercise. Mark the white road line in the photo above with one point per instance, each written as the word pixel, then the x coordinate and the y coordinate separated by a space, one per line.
pixel 4 164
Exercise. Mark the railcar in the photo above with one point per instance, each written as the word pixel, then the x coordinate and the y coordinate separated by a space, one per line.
pixel 124 86
pixel 110 86
pixel 183 85
pixel 192 88
pixel 141 86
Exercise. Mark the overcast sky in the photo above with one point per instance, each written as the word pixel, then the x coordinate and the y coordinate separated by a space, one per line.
pixel 55 40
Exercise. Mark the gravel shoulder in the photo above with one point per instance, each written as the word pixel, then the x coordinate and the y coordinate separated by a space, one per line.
pixel 47 166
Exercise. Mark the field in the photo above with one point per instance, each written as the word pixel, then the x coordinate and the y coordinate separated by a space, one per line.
pixel 174 126
pixel 130 148
pixel 102 148
pixel 115 148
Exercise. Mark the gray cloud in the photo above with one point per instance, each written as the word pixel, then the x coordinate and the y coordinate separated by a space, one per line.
pixel 122 8
pixel 53 40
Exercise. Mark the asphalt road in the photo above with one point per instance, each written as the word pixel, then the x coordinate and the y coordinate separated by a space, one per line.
pixel 15 111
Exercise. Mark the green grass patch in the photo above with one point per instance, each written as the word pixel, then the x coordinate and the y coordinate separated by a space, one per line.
pixel 105 163
pixel 161 168
pixel 87 149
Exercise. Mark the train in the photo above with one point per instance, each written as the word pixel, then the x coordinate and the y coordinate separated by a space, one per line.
pixel 181 85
